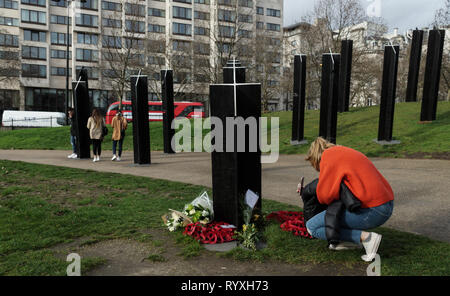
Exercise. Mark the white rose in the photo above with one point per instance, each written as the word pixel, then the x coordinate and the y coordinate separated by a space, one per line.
pixel 205 213
pixel 192 212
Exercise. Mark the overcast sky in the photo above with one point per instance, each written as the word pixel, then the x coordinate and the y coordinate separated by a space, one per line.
pixel 402 14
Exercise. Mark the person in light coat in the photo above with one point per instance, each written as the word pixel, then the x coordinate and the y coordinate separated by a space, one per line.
pixel 119 125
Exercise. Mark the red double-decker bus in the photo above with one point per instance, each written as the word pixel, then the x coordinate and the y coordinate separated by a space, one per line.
pixel 155 113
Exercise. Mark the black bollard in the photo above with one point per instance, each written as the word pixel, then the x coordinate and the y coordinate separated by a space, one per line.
pixel 235 171
pixel 229 71
pixel 298 112
pixel 345 75
pixel 329 96
pixel 414 66
pixel 432 75
pixel 141 129
pixel 82 112
pixel 168 109
pixel 388 93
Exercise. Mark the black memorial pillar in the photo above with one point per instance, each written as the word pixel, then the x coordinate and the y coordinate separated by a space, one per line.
pixel 414 66
pixel 168 109
pixel 233 72
pixel 141 129
pixel 298 112
pixel 329 96
pixel 432 75
pixel 82 108
pixel 388 93
pixel 345 75
pixel 236 171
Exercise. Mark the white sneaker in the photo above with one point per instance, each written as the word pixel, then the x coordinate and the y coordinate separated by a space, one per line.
pixel 95 159
pixel 71 155
pixel 75 156
pixel 371 245
pixel 344 246
pixel 118 159
pixel 114 157
pixel 98 158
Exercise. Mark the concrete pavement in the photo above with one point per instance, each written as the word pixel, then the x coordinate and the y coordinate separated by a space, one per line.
pixel 421 187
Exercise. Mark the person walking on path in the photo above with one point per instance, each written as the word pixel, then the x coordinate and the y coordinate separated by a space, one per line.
pixel 119 125
pixel 73 137
pixel 337 164
pixel 95 125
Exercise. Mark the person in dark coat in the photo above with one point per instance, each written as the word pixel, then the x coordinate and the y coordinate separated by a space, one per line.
pixel 73 133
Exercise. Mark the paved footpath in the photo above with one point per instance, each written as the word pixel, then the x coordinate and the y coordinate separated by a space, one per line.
pixel 421 187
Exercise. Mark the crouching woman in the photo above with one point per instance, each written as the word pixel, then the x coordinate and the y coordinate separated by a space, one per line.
pixel 337 164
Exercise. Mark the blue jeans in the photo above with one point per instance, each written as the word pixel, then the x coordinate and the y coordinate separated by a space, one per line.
pixel 352 224
pixel 120 146
pixel 73 141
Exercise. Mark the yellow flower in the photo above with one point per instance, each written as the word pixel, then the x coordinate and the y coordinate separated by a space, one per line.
pixel 244 227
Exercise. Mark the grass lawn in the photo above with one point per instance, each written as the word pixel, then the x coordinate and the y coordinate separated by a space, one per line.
pixel 44 206
pixel 357 129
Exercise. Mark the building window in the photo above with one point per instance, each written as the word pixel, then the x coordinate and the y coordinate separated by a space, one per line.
pixel 86 38
pixel 60 19
pixel 61 3
pixel 9 4
pixel 227 2
pixel 9 21
pixel 9 100
pixel 89 4
pixel 201 31
pixel 202 1
pixel 200 15
pixel 9 55
pixel 112 23
pixel 8 40
pixel 226 15
pixel 259 10
pixel 246 3
pixel 273 27
pixel 106 5
pixel 86 20
pixel 135 26
pixel 153 28
pixel 34 53
pixel 182 12
pixel 34 2
pixel 226 31
pixel 37 36
pixel 92 72
pixel 35 17
pixel 59 54
pixel 179 45
pixel 87 55
pixel 273 12
pixel 134 9
pixel 156 12
pixel 183 1
pixel 34 71
pixel 44 99
pixel 111 41
pixel 153 60
pixel 60 38
pixel 182 29
pixel 59 71
pixel 260 25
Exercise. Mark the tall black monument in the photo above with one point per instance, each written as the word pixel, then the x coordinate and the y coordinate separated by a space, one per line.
pixel 388 94
pixel 82 112
pixel 414 66
pixel 141 129
pixel 298 106
pixel 345 75
pixel 329 96
pixel 234 72
pixel 235 171
pixel 432 75
pixel 168 109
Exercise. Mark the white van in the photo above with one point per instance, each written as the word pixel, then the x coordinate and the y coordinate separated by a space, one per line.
pixel 32 119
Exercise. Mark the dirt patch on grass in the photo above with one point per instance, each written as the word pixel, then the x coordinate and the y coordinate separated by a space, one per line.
pixel 162 257
pixel 429 155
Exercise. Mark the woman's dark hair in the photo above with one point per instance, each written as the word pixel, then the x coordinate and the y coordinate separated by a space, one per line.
pixel 97 117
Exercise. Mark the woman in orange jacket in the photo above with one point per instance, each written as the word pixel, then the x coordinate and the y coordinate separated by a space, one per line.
pixel 119 125
pixel 337 164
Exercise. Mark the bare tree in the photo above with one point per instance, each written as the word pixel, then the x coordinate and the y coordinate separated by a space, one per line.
pixel 123 42
pixel 442 21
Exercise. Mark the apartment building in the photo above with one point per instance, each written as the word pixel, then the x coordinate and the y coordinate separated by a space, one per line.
pixel 162 33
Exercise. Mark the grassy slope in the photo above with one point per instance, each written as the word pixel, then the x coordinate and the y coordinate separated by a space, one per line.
pixel 43 206
pixel 357 129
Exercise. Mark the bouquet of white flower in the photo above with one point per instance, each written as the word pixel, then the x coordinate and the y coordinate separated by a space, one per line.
pixel 197 213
